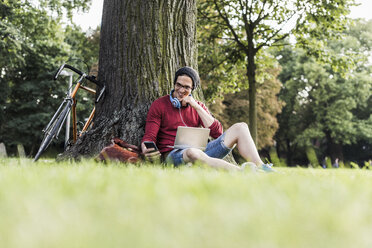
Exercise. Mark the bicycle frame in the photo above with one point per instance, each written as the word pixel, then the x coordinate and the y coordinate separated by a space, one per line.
pixel 72 96
pixel 73 110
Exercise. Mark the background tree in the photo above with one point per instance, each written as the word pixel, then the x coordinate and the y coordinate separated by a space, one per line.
pixel 230 106
pixel 233 108
pixel 142 44
pixel 249 26
pixel 225 84
pixel 33 45
pixel 10 52
pixel 324 107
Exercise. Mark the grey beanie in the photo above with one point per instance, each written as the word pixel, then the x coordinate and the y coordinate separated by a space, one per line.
pixel 193 74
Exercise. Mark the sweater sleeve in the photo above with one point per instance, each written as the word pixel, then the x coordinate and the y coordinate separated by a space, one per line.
pixel 216 127
pixel 153 122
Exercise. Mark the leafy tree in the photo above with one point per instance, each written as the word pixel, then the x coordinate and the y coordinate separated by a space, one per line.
pixel 84 47
pixel 220 75
pixel 249 26
pixel 225 87
pixel 232 107
pixel 10 52
pixel 323 106
pixel 33 45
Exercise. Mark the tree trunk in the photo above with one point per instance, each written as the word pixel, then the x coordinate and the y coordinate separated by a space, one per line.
pixel 334 149
pixel 142 44
pixel 252 109
pixel 289 153
pixel 251 73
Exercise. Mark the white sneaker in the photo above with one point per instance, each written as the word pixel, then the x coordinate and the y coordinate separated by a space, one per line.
pixel 267 168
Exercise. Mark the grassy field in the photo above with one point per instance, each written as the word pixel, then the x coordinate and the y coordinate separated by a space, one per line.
pixel 86 204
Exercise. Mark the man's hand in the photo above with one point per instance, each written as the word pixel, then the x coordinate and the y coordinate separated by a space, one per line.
pixel 150 153
pixel 189 100
pixel 207 119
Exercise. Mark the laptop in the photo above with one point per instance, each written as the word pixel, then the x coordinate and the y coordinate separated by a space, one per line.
pixel 191 137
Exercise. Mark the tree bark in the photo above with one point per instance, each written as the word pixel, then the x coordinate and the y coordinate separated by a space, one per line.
pixel 142 44
pixel 252 100
pixel 251 74
pixel 334 149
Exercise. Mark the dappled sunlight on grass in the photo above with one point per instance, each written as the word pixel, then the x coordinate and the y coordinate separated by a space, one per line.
pixel 89 204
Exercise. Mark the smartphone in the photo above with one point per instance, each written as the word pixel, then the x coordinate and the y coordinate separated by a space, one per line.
pixel 150 144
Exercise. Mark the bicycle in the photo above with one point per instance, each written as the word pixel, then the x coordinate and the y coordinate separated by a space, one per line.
pixel 69 104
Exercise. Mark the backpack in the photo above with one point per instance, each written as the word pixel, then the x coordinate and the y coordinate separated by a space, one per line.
pixel 120 151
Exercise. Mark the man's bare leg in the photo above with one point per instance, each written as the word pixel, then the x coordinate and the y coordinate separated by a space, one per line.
pixel 192 154
pixel 239 134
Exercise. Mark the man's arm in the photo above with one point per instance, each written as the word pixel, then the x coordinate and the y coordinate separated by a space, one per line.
pixel 206 118
pixel 153 122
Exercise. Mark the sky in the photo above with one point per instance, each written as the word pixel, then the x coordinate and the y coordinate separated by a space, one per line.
pixel 93 18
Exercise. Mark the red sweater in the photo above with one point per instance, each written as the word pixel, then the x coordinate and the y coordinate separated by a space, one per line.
pixel 163 119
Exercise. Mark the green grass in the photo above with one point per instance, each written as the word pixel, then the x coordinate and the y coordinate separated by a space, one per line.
pixel 86 204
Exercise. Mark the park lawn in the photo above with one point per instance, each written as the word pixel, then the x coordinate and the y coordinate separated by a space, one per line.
pixel 87 204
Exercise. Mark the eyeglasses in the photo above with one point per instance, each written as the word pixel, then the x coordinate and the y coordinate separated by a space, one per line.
pixel 186 87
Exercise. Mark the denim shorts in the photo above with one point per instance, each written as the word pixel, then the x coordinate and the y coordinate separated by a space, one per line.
pixel 215 149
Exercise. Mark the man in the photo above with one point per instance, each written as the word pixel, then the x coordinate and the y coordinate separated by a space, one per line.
pixel 179 108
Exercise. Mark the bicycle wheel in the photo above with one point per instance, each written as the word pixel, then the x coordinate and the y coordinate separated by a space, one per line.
pixel 53 129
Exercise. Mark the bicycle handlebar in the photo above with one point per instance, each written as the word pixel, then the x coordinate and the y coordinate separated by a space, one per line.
pixel 83 75
pixel 90 78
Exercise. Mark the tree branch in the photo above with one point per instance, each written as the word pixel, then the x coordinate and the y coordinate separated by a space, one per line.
pixel 262 9
pixel 260 18
pixel 275 41
pixel 236 37
pixel 250 9
pixel 211 18
pixel 272 37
